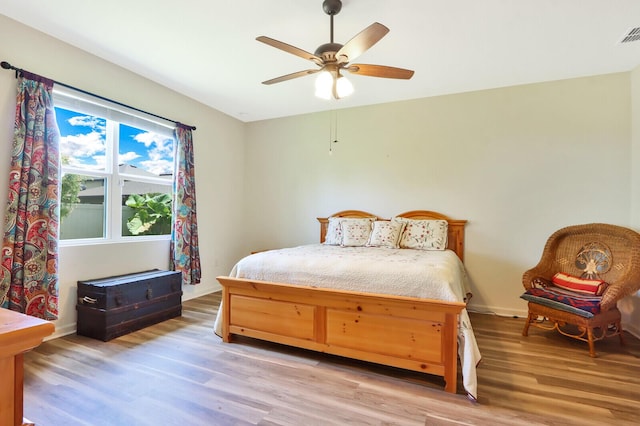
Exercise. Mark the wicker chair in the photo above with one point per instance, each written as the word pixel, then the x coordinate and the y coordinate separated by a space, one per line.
pixel 595 251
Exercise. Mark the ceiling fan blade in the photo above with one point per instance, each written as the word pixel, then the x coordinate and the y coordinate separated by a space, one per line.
pixel 380 71
pixel 290 76
pixel 361 42
pixel 290 49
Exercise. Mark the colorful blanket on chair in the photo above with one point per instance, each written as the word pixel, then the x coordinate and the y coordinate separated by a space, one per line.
pixel 582 304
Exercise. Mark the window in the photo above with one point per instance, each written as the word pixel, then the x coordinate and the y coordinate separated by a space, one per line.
pixel 116 171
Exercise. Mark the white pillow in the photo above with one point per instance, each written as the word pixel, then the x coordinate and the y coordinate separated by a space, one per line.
pixel 355 232
pixel 386 233
pixel 424 234
pixel 333 237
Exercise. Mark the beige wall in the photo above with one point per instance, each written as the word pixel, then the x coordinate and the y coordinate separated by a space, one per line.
pixel 219 150
pixel 517 163
pixel 630 307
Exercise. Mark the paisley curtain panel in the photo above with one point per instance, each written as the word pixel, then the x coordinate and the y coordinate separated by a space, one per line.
pixel 185 253
pixel 29 262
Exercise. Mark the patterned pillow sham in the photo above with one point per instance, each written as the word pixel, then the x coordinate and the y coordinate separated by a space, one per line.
pixel 355 232
pixel 333 237
pixel 386 233
pixel 424 234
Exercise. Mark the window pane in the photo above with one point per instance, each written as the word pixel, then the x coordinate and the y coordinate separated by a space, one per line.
pixel 103 158
pixel 146 208
pixel 82 139
pixel 149 152
pixel 82 206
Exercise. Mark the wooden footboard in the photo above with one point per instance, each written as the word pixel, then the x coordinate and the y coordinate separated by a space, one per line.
pixel 410 333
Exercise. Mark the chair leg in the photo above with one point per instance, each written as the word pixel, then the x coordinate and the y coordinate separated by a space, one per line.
pixel 620 333
pixel 525 331
pixel 592 349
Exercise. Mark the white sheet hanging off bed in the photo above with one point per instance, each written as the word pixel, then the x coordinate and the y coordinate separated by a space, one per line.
pixel 405 272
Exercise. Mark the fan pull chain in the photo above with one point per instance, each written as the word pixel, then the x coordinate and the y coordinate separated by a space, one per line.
pixel 333 129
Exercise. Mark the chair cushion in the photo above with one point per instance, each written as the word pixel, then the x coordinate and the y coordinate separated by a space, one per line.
pixel 557 298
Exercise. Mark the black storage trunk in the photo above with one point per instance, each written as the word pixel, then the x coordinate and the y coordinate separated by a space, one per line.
pixel 114 306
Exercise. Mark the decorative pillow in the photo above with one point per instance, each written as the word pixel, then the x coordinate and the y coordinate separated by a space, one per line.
pixel 579 285
pixel 424 234
pixel 333 236
pixel 355 232
pixel 539 282
pixel 386 233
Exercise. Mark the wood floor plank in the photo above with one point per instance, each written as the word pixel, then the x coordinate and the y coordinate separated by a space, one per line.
pixel 178 372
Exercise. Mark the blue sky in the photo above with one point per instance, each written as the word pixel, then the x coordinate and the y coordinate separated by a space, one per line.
pixel 83 142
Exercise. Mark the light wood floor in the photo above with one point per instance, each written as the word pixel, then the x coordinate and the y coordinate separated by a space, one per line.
pixel 178 373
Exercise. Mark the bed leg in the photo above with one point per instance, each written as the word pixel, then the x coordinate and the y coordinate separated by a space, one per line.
pixel 450 385
pixel 226 314
pixel 226 336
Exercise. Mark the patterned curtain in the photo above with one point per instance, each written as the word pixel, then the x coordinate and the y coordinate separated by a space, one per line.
pixel 185 252
pixel 29 257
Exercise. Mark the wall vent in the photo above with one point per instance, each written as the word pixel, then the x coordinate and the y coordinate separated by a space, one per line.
pixel 632 35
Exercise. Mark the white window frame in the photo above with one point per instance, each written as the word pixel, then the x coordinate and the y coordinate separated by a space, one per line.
pixel 114 114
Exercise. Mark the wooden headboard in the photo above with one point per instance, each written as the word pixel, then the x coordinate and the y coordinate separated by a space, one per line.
pixel 455 236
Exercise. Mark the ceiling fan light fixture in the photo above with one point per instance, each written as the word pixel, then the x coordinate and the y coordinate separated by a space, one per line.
pixel 330 85
pixel 343 87
pixel 324 85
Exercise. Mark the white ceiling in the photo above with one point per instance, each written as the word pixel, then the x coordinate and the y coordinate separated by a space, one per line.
pixel 206 49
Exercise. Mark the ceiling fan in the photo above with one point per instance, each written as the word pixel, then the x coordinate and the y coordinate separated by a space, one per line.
pixel 333 57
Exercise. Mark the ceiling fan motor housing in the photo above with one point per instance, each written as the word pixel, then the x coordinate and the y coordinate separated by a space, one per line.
pixel 331 7
pixel 328 51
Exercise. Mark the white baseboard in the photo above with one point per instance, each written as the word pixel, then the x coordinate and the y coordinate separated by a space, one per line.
pixel 481 309
pixel 501 312
pixel 72 328
pixel 190 296
pixel 523 313
pixel 632 329
pixel 62 331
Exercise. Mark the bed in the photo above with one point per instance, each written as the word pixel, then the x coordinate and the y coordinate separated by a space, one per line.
pixel 383 317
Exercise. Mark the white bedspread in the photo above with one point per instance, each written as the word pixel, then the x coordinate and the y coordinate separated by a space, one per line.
pixel 416 273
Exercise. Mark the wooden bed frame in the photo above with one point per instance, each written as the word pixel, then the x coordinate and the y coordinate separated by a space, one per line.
pixel 405 332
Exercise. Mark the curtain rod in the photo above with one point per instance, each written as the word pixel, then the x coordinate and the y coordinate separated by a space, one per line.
pixel 8 66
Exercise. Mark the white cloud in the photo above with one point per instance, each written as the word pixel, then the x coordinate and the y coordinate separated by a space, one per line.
pixel 85 150
pixel 158 144
pixel 127 157
pixel 101 161
pixel 98 162
pixel 158 167
pixel 82 145
pixel 147 138
pixel 95 123
pixel 151 138
pixel 159 150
